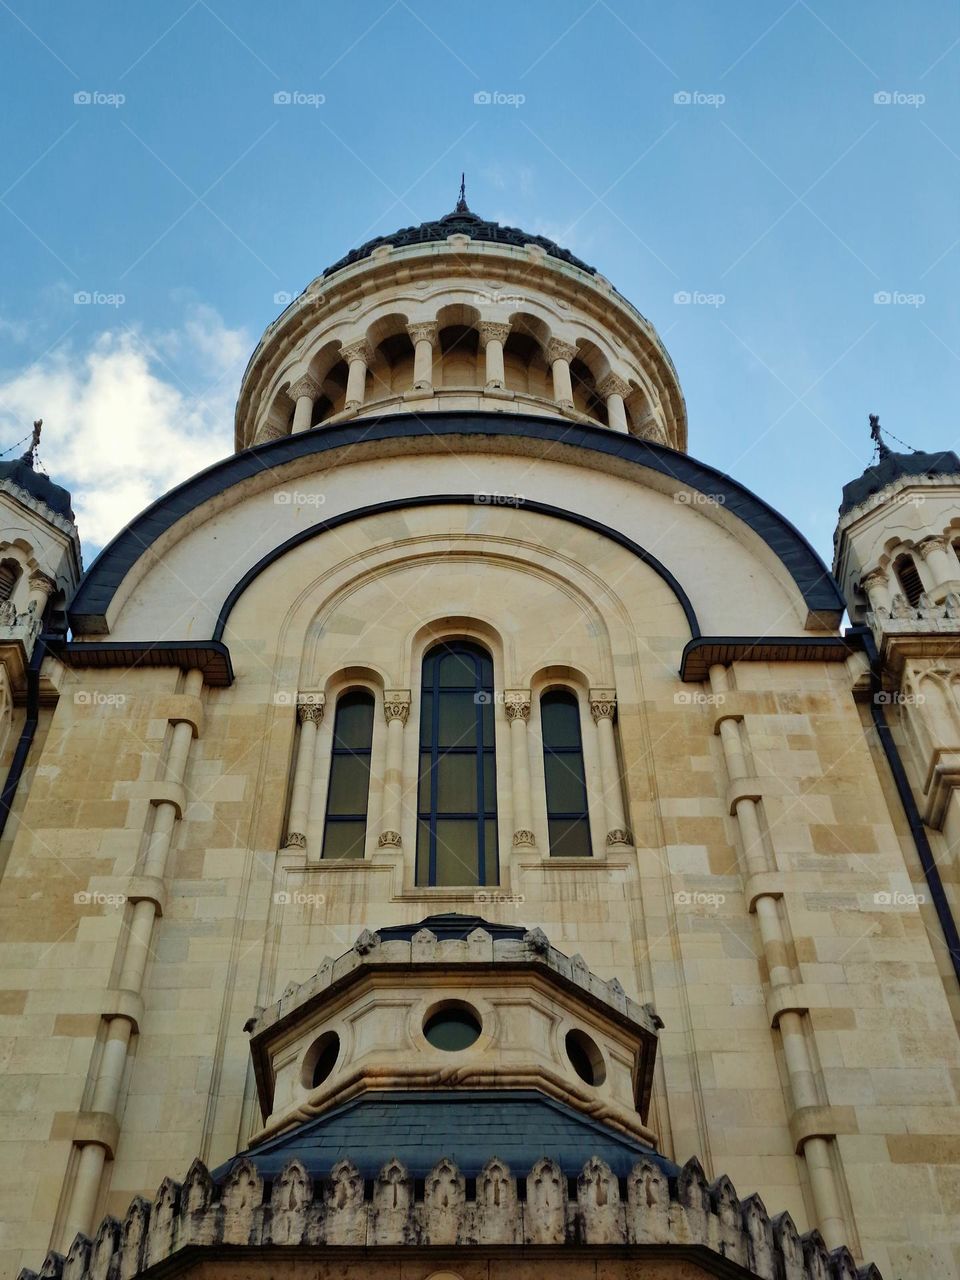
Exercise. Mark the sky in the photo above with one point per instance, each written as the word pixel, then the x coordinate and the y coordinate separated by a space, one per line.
pixel 774 184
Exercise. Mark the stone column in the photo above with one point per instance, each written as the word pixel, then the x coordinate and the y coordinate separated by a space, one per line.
pixel 942 567
pixel 559 355
pixel 877 586
pixel 135 944
pixel 603 708
pixel 309 716
pixel 796 1051
pixel 614 390
pixel 305 391
pixel 358 356
pixel 396 708
pixel 492 338
pixel 423 335
pixel 517 706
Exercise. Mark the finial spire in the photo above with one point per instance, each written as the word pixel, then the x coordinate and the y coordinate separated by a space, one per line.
pixel 462 206
pixel 876 437
pixel 31 453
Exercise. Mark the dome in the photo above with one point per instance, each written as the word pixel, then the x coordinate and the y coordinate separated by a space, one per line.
pixel 894 466
pixel 461 221
pixel 22 474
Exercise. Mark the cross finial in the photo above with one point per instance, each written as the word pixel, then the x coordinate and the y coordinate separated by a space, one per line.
pixel 876 437
pixel 34 442
pixel 462 206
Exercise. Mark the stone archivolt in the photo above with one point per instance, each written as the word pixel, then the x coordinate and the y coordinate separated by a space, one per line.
pixel 647 1213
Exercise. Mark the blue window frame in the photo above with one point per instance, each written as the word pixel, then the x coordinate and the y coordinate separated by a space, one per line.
pixel 345 827
pixel 568 819
pixel 457 793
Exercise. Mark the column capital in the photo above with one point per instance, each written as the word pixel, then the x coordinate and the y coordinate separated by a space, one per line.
pixel 875 578
pixel 359 349
pixel 396 705
pixel 492 331
pixel 557 349
pixel 269 431
pixel 310 707
pixel 931 544
pixel 613 385
pixel 423 331
pixel 41 581
pixel 305 386
pixel 516 703
pixel 603 704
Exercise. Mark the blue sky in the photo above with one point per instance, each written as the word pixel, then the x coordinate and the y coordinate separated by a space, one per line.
pixel 784 187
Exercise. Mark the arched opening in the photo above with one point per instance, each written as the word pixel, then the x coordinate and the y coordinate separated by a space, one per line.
pixel 568 820
pixel 459 351
pixel 345 825
pixel 457 793
pixel 524 365
pixel 10 572
pixel 908 578
pixel 586 398
pixel 333 393
pixel 392 369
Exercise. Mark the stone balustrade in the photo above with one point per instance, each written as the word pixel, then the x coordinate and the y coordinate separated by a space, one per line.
pixel 647 1208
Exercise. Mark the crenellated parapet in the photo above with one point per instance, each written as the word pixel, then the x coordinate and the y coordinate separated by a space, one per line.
pixel 646 1212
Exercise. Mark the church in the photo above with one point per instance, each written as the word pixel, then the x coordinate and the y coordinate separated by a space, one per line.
pixel 461 835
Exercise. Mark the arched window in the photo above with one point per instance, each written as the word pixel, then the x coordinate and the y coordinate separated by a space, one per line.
pixel 457 798
pixel 568 822
pixel 345 828
pixel 909 578
pixel 9 575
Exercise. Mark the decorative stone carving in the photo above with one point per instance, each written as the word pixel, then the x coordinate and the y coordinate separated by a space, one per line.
pixel 423 331
pixel 290 1200
pixel 366 941
pixel 106 1247
pixel 557 349
pixel 443 1204
pixel 537 941
pixel 648 1205
pixel 8 613
pixel 242 1193
pixel 389 840
pixel 524 839
pixel 930 545
pixel 311 711
pixel 393 1206
pixel 346 1221
pixel 396 705
pixel 603 704
pixel 619 835
pixel 162 1231
pixel 613 385
pixel 305 386
pixel 295 840
pixel 598 1195
pixel 360 349
pixel 496 1205
pixel 516 703
pixel 546 1217
pixel 42 582
pixel 492 331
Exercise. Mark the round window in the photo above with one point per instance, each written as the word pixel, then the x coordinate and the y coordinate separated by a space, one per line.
pixel 452 1028
pixel 320 1060
pixel 585 1058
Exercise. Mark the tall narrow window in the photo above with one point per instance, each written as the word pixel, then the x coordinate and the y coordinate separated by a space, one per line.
pixel 345 828
pixel 9 573
pixel 909 578
pixel 457 804
pixel 568 821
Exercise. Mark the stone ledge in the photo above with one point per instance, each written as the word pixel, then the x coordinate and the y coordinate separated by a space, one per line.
pixel 155 793
pixel 762 884
pixel 179 708
pixel 645 1208
pixel 821 1122
pixel 119 1002
pixel 97 1126
pixel 148 889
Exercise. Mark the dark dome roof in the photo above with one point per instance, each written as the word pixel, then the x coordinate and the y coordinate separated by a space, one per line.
pixel 39 486
pixel 890 468
pixel 460 222
pixel 451 925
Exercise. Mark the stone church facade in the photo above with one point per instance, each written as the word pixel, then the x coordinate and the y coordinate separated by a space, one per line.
pixel 457 835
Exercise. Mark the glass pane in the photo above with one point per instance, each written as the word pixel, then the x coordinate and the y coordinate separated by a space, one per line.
pixel 486 670
pixel 452 1029
pixel 344 839
pixel 353 726
pixel 458 670
pixel 486 716
pixel 570 838
pixel 560 720
pixel 458 720
pixel 566 792
pixel 489 783
pixel 456 851
pixel 426 718
pixel 457 784
pixel 423 853
pixel 349 785
pixel 491 870
pixel 423 795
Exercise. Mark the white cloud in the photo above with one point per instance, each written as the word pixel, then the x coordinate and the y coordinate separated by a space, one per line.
pixel 131 416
